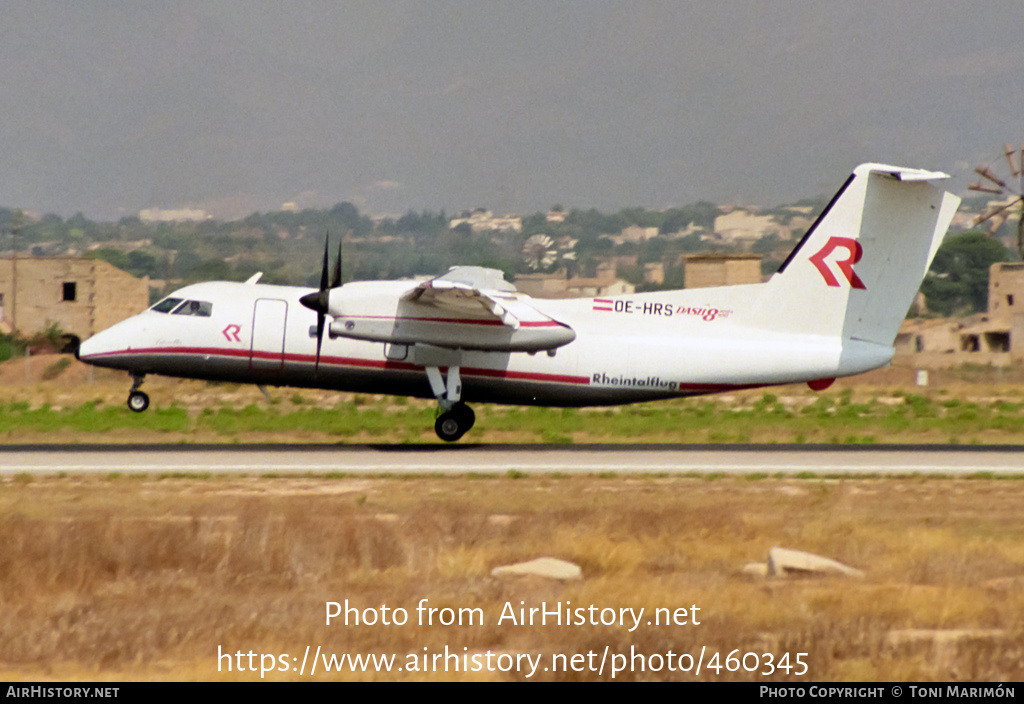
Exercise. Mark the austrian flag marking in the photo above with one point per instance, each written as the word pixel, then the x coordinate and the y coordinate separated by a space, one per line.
pixel 605 304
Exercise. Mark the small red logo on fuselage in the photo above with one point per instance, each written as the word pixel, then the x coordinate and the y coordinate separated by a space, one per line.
pixel 854 251
pixel 231 333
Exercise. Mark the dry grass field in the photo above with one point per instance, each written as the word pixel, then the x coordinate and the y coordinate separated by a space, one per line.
pixel 122 578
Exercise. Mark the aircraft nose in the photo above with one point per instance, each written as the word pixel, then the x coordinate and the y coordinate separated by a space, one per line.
pixel 89 348
pixel 102 348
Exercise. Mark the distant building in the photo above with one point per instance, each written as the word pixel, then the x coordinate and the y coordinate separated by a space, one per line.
pixel 691 229
pixel 82 296
pixel 705 270
pixel 178 215
pixel 481 220
pixel 635 233
pixel 654 273
pixel 1006 291
pixel 559 285
pixel 740 225
pixel 995 337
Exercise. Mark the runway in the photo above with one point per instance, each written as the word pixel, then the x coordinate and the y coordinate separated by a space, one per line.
pixel 817 460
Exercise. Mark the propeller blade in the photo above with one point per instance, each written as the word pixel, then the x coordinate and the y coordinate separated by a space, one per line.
pixel 323 272
pixel 319 301
pixel 336 279
pixel 320 317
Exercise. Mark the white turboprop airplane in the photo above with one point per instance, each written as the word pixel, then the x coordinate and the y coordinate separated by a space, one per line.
pixel 833 309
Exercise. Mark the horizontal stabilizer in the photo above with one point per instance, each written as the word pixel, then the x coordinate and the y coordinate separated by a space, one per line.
pixel 903 174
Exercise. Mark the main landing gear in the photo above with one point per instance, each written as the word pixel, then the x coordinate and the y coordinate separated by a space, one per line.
pixel 455 422
pixel 456 418
pixel 138 401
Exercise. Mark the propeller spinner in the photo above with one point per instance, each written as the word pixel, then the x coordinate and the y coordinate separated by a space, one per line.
pixel 320 300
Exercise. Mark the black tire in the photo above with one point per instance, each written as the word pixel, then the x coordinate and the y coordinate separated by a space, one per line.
pixel 138 401
pixel 450 426
pixel 466 416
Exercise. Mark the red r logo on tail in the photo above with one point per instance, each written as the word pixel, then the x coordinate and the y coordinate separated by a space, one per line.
pixel 854 251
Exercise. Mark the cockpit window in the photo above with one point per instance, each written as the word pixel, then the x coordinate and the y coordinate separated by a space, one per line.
pixel 166 305
pixel 201 309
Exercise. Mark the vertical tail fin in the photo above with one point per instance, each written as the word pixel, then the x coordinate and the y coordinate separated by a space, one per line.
pixel 856 271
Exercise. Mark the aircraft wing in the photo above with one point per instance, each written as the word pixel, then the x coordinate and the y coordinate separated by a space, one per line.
pixel 470 308
pixel 471 291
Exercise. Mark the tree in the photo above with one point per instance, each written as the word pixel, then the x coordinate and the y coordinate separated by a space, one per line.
pixel 142 263
pixel 114 257
pixel 957 283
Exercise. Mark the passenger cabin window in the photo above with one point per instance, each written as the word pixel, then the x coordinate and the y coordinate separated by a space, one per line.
pixel 200 309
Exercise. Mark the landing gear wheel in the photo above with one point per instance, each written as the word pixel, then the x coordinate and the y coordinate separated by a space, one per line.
pixel 448 427
pixel 452 425
pixel 465 414
pixel 138 401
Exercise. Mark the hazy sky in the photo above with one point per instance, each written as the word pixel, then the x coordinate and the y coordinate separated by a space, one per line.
pixel 111 107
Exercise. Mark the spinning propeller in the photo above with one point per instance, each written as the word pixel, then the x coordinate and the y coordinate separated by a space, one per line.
pixel 320 301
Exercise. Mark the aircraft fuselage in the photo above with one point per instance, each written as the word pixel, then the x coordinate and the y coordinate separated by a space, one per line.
pixel 627 349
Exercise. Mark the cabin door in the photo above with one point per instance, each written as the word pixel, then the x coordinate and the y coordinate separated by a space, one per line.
pixel 268 331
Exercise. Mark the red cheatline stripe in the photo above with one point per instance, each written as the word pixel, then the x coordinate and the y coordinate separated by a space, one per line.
pixel 349 362
pixel 406 366
pixel 225 352
pixel 457 321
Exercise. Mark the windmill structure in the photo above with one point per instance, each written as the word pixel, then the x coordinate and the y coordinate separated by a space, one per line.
pixel 540 252
pixel 1010 189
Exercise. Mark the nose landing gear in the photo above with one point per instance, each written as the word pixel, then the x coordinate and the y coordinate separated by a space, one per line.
pixel 138 401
